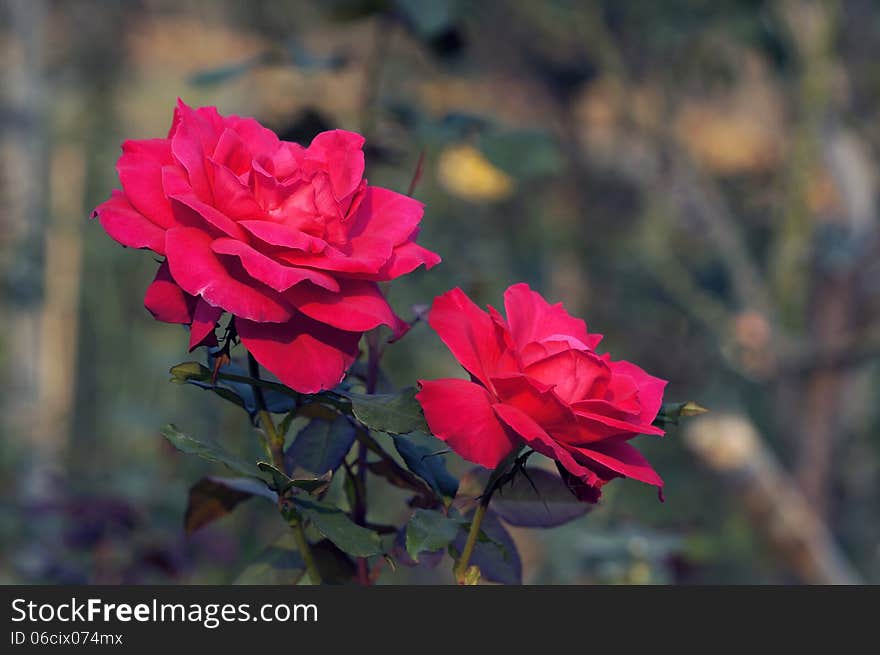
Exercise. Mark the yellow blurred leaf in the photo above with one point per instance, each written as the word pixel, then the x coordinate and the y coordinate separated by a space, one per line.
pixel 466 173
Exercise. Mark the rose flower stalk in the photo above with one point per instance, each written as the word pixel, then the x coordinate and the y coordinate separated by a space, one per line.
pixel 289 240
pixel 537 381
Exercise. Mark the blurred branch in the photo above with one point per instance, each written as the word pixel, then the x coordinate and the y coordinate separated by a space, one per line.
pixel 853 351
pixel 695 193
pixel 810 26
pixel 731 446
pixel 674 277
pixel 370 96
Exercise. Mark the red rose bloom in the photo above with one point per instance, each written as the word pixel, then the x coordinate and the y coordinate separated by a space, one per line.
pixel 536 378
pixel 289 240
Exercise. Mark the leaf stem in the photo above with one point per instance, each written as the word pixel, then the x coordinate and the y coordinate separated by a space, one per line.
pixel 473 534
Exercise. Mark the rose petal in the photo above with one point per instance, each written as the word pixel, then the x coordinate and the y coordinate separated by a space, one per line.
pixel 532 318
pixel 166 301
pixel 575 374
pixel 140 172
pixel 391 214
pixel 201 332
pixel 358 306
pixel 174 183
pixel 277 234
pixel 199 272
pixel 405 259
pixel 372 253
pixel 232 197
pixel 621 458
pixel 259 139
pixel 534 398
pixel 536 437
pixel 602 425
pixel 623 392
pixel 266 270
pixel 195 136
pixel 128 226
pixel 460 413
pixel 650 389
pixel 305 355
pixel 469 333
pixel 192 212
pixel 232 152
pixel 341 154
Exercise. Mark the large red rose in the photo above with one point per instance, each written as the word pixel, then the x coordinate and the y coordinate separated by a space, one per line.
pixel 289 240
pixel 536 379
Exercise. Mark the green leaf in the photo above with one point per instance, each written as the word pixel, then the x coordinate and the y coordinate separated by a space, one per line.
pixel 212 498
pixel 231 396
pixel 280 480
pixel 185 371
pixel 227 73
pixel 523 153
pixel 334 524
pixel 503 471
pixel 670 413
pixel 285 423
pixel 279 564
pixel 398 476
pixel 208 450
pixel 282 483
pixel 495 555
pixel 517 501
pixel 334 565
pixel 430 531
pixel 195 372
pixel 321 445
pixel 396 413
pixel 422 454
pixel 235 388
pixel 546 504
pixel 314 486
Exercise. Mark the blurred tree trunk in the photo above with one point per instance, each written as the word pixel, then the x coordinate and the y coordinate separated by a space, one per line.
pixel 59 328
pixel 25 166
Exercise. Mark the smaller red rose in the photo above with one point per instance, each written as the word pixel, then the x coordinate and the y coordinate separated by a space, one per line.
pixel 536 379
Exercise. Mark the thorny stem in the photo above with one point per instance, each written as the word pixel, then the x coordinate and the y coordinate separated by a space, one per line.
pixel 473 534
pixel 275 442
pixel 374 354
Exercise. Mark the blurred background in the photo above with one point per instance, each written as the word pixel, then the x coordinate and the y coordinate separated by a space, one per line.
pixel 696 178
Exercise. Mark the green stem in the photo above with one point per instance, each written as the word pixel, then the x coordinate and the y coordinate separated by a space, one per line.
pixel 302 544
pixel 374 355
pixel 275 441
pixel 462 564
